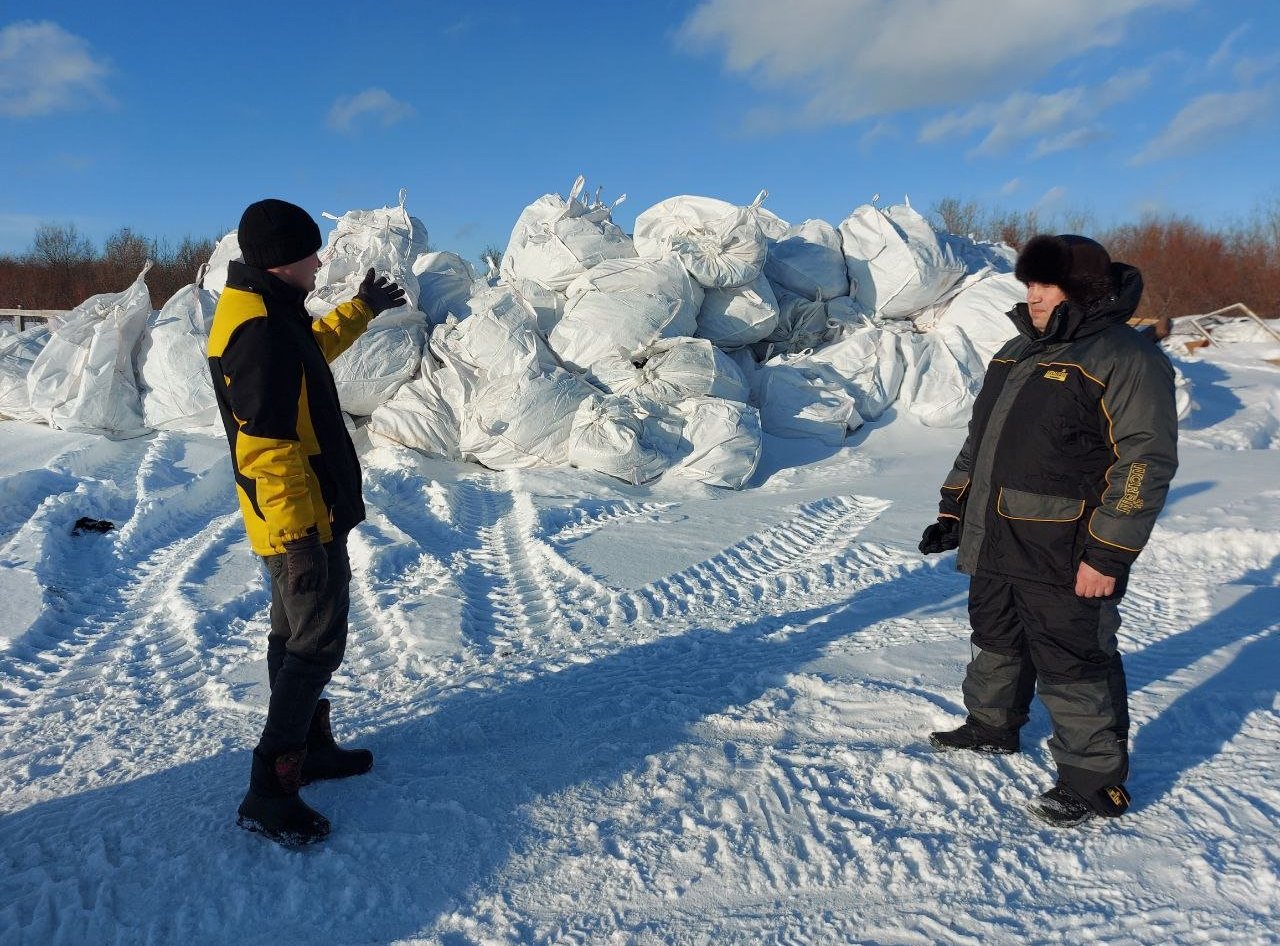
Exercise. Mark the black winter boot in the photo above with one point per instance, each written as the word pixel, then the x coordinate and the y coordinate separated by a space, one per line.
pixel 272 806
pixel 975 738
pixel 325 758
pixel 1061 806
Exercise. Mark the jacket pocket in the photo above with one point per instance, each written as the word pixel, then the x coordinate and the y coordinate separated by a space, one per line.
pixel 1036 536
pixel 1035 507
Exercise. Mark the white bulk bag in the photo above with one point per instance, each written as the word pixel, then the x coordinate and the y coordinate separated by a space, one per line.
pixel 498 339
pixel 981 308
pixel 720 244
pixel 799 401
pixel 556 240
pixel 173 363
pixel 722 442
pixel 730 318
pixel 943 374
pixel 18 352
pixel 523 421
pixel 387 240
pixel 846 315
pixel 671 370
pixel 84 378
pixel 445 283
pixel 980 256
pixel 808 260
pixel 610 434
pixel 869 365
pixel 625 304
pixel 380 360
pixel 214 277
pixel 896 261
pixel 802 324
pixel 419 414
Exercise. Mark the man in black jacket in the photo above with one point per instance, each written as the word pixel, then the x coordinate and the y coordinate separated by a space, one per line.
pixel 1071 447
pixel 297 478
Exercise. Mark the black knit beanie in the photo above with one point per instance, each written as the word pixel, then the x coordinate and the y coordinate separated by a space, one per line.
pixel 276 233
pixel 1080 267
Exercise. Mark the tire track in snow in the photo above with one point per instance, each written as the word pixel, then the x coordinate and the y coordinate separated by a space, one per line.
pixel 87 579
pixel 767 570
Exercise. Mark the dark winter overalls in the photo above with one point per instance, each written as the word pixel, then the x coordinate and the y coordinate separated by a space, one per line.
pixel 1071 447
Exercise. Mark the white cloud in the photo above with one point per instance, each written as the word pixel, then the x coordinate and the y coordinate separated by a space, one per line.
pixel 377 105
pixel 854 59
pixel 1010 186
pixel 1059 120
pixel 1202 121
pixel 1051 198
pixel 1223 53
pixel 45 69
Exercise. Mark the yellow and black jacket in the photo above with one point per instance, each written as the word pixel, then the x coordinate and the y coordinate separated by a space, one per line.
pixel 296 470
pixel 1071 447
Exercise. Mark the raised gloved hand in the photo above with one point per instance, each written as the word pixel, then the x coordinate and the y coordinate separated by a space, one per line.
pixel 941 536
pixel 306 565
pixel 379 293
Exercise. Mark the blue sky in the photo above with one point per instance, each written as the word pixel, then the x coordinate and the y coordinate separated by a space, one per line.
pixel 169 118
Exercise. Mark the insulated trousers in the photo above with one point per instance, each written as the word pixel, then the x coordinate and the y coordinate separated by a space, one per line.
pixel 1037 638
pixel 305 646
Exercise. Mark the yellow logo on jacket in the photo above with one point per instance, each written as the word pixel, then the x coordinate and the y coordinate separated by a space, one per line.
pixel 1131 501
pixel 1056 374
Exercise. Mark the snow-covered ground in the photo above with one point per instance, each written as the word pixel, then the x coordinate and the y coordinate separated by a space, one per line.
pixel 609 714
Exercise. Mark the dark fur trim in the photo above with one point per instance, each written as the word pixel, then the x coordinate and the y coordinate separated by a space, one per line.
pixel 1076 264
pixel 1045 259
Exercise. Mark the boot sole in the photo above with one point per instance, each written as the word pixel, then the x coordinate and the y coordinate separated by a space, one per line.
pixel 940 746
pixel 287 839
pixel 1055 820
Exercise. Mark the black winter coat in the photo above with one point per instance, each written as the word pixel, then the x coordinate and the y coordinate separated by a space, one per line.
pixel 1071 446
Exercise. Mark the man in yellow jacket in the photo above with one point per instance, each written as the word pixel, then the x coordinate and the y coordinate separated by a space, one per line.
pixel 298 481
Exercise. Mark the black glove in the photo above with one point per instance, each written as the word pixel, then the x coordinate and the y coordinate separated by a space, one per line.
pixel 379 293
pixel 306 565
pixel 941 536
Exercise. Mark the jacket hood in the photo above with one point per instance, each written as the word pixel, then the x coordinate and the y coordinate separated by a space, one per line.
pixel 1071 320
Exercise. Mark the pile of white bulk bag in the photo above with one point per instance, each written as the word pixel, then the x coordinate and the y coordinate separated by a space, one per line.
pixel 803 400
pixel 621 437
pixel 981 309
pixel 445 283
pixel 808 260
pixel 173 363
pixel 720 441
pixel 942 376
pixel 84 378
pixel 387 240
pixel 731 318
pixel 869 365
pixel 720 244
pixel 896 262
pixel 18 352
pixel 625 304
pixel 384 357
pixel 555 240
pixel 672 370
pixel 980 256
pixel 214 277
pixel 420 415
pixel 523 421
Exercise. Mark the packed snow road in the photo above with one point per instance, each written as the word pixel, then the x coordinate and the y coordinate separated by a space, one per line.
pixel 614 714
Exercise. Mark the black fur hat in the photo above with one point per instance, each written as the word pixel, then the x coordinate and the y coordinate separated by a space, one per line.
pixel 1076 264
pixel 276 233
